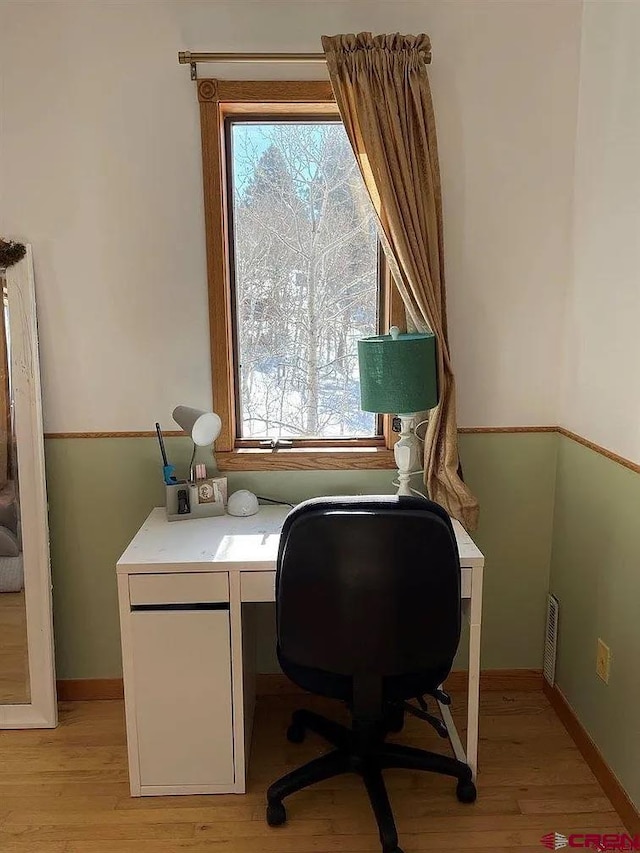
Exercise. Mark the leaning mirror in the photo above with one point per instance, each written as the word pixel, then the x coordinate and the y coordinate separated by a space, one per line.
pixel 27 679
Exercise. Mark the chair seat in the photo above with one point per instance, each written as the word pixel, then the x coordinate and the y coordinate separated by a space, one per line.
pixel 334 686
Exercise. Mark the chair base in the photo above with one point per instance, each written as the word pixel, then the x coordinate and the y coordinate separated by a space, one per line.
pixel 368 758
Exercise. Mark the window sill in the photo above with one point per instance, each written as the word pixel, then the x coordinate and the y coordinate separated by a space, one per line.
pixel 306 459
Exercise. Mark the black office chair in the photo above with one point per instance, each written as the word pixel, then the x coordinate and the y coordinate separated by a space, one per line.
pixel 368 612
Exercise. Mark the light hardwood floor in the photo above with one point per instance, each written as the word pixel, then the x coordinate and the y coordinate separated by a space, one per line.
pixel 66 790
pixel 14 656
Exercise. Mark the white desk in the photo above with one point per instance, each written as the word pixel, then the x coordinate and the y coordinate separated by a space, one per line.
pixel 188 647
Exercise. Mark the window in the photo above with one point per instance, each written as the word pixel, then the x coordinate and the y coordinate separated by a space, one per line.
pixel 304 278
pixel 296 277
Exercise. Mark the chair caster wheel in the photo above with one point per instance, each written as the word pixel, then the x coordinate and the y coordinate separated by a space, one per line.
pixel 295 733
pixel 466 792
pixel 276 814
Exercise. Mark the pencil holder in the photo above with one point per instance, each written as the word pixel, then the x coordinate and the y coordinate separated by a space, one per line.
pixel 190 500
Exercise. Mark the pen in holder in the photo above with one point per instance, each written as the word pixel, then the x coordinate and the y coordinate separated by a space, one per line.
pixel 202 499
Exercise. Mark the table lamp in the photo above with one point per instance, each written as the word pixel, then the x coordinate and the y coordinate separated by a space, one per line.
pixel 399 376
pixel 203 427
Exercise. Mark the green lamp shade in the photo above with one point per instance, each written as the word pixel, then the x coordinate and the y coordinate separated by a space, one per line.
pixel 398 376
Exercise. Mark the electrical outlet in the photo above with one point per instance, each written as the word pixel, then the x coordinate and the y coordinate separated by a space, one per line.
pixel 603 661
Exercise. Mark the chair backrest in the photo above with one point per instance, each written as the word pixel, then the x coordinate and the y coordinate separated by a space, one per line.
pixel 368 586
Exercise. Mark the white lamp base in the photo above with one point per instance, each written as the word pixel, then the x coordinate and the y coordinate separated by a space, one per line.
pixel 407 453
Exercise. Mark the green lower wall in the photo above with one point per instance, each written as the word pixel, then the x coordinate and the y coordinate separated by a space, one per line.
pixel 100 491
pixel 595 573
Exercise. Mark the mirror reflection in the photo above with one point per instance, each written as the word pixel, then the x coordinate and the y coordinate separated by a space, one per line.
pixel 14 659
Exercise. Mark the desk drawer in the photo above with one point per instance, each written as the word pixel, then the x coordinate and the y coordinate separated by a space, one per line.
pixel 192 588
pixel 258 586
pixel 261 586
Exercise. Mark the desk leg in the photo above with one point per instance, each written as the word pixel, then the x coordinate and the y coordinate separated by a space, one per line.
pixel 238 683
pixel 470 757
pixel 473 700
pixel 129 692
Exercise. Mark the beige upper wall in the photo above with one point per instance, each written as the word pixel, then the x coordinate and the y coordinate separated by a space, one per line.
pixel 100 170
pixel 601 398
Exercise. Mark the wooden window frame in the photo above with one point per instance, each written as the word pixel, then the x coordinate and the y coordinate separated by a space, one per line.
pixel 220 99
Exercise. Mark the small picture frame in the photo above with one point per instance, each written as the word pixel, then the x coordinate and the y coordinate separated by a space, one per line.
pixel 208 491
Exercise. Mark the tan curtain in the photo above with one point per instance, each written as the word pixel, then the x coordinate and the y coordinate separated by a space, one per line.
pixel 382 91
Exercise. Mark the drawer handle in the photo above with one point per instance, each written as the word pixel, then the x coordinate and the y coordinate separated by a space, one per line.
pixel 222 605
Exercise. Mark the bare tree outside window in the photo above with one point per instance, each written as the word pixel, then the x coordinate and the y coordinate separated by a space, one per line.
pixel 305 263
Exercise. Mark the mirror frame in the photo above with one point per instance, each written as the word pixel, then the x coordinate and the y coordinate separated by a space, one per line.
pixel 42 710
